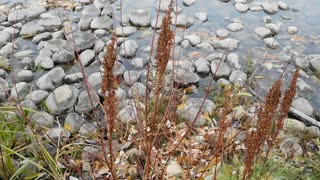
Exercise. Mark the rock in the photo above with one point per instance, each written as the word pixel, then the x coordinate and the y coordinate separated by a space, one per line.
pixel 102 22
pixel 315 64
pixel 202 66
pixel 87 57
pixel 188 2
pixel 303 105
pixel 155 24
pixel 228 43
pixel 173 169
pixel 233 60
pixel 181 64
pixel 20 90
pixel 29 105
pixel 162 5
pixel 125 31
pixel 271 43
pixel 139 62
pixel 262 32
pixel 91 11
pixel 88 129
pixel 4 38
pixel 62 99
pixel 63 56
pixel 83 40
pixel 7 48
pixel 44 62
pixel 313 131
pixel 223 70
pixel 95 80
pixel 242 8
pixel 12 31
pixel 4 89
pixel 140 17
pixel 51 80
pixel 294 126
pixel 137 90
pixel 58 35
pixel 3 73
pixel 208 105
pixel 100 4
pixel 130 77
pixel 99 46
pixel 73 78
pixel 270 7
pixel 73 122
pixel 182 20
pixel 107 11
pixel 41 37
pixel 21 54
pixel 235 27
pixel 127 114
pixel 255 6
pixel 51 24
pixel 205 46
pixel 84 23
pixel 290 148
pixel 238 77
pixel 37 96
pixel 267 19
pixel 31 29
pixel 194 39
pixel 3 16
pixel 189 113
pixel 292 29
pixel 222 33
pixel 25 14
pixel 303 86
pixel 24 75
pixel 43 119
pixel 185 77
pixel 201 16
pixel 84 103
pixel 128 48
pixel 185 44
pixel 216 56
pixel 275 28
pixel 57 135
pixel 283 6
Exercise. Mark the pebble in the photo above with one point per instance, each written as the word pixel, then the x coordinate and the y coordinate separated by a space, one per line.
pixel 37 96
pixel 271 43
pixel 238 77
pixel 62 99
pixel 262 32
pixel 140 17
pixel 43 119
pixel 242 8
pixel 292 30
pixel 84 102
pixel 270 7
pixel 137 90
pixel 188 2
pixel 194 39
pixel 24 76
pixel 223 70
pixel 132 76
pixel 101 22
pixel 73 122
pixel 303 105
pixel 128 48
pixel 235 27
pixel 222 33
pixel 202 66
pixel 87 57
pixel 201 16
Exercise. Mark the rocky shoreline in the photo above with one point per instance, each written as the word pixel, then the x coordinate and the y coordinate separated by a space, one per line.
pixel 39 46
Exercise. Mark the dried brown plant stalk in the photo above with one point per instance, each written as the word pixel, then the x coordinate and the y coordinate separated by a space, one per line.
pixel 259 136
pixel 286 103
pixel 164 45
pixel 108 87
